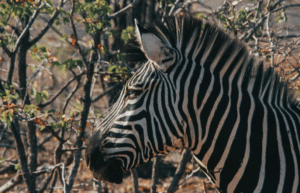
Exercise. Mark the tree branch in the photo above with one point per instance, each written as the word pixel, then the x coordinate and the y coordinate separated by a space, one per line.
pixel 6 50
pixel 186 156
pixel 70 96
pixel 25 30
pixel 155 173
pixel 86 106
pixel 75 35
pixel 22 156
pixel 283 7
pixel 61 90
pixel 74 149
pixel 17 179
pixel 106 92
pixel 11 68
pixel 129 6
pixel 49 24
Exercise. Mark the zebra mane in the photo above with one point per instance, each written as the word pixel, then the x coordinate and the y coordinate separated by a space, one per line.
pixel 184 29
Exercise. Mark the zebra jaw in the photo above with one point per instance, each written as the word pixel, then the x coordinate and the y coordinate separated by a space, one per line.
pixel 103 169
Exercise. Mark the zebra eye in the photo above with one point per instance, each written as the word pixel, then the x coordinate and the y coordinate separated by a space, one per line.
pixel 132 94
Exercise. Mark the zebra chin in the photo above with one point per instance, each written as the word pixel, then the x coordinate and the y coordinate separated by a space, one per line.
pixel 109 170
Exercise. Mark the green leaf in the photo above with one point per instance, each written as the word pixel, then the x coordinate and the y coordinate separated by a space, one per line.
pixel 58 24
pixel 268 57
pixel 17 167
pixel 66 20
pixel 45 94
pixel 38 97
pixel 51 111
pixel 64 36
pixel 42 49
pixel 2 160
pixel 114 32
pixel 32 91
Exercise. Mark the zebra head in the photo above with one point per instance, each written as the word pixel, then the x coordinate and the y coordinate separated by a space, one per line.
pixel 157 108
pixel 135 130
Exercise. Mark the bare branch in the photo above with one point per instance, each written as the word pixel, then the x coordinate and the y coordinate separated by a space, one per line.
pixel 11 68
pixel 74 149
pixel 176 4
pixel 135 177
pixel 106 92
pixel 186 156
pixel 61 90
pixel 190 175
pixel 28 26
pixel 284 7
pixel 275 4
pixel 247 35
pixel 85 111
pixel 70 96
pixel 11 183
pixel 6 50
pixel 129 6
pixel 6 145
pixel 49 24
pixel 49 128
pixel 270 37
pixel 155 173
pixel 22 156
pixel 69 40
pixel 75 34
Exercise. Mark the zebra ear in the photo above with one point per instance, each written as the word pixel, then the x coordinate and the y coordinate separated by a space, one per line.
pixel 154 48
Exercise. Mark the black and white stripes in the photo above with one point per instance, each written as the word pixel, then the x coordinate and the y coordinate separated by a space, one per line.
pixel 199 89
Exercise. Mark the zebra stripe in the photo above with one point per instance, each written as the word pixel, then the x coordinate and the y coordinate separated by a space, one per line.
pixel 199 89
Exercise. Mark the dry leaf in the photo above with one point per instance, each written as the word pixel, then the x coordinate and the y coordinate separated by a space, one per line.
pixel 106 78
pixel 55 58
pixel 73 41
pixel 35 84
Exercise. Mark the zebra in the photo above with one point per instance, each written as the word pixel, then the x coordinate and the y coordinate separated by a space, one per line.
pixel 198 88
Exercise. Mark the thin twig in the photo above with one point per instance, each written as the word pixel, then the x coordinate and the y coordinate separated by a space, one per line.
pixel 49 24
pixel 135 178
pixel 190 175
pixel 106 92
pixel 61 90
pixel 186 156
pixel 17 179
pixel 22 155
pixel 63 177
pixel 28 26
pixel 74 149
pixel 269 36
pixel 70 96
pixel 155 174
pixel 6 145
pixel 129 6
pixel 283 7
pixel 75 34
